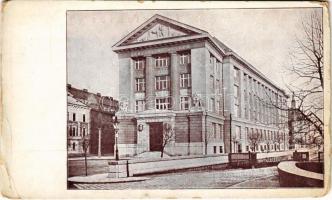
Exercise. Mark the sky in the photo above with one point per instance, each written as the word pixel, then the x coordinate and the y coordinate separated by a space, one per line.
pixel 263 37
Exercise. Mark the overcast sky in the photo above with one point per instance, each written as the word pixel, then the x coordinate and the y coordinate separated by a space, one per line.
pixel 263 37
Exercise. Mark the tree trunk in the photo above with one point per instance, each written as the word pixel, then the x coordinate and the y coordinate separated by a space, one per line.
pixel 162 152
pixel 86 164
pixel 206 148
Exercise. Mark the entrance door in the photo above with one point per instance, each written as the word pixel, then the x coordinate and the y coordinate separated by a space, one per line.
pixel 156 136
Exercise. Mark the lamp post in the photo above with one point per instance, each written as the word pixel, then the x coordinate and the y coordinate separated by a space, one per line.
pixel 116 129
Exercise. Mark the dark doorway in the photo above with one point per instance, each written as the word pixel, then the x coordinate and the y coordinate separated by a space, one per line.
pixel 156 136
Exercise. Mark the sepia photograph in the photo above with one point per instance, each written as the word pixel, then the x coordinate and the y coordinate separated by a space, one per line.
pixel 207 98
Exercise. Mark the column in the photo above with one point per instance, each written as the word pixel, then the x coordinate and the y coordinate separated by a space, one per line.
pixel 99 142
pixel 150 83
pixel 132 100
pixel 228 82
pixel 175 82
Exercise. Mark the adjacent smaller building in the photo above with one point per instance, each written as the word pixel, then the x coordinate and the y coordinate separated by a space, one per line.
pixel 90 115
pixel 302 133
pixel 78 125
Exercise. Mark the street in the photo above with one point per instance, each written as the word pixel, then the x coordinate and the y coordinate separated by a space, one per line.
pixel 212 179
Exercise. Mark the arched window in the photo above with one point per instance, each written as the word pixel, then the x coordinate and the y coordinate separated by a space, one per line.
pixel 74 131
pixel 83 132
pixel 70 131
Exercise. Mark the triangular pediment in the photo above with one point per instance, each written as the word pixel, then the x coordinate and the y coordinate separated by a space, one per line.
pixel 158 28
pixel 159 31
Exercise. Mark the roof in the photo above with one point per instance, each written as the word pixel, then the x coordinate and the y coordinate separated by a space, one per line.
pixel 94 101
pixel 73 101
pixel 154 19
pixel 192 33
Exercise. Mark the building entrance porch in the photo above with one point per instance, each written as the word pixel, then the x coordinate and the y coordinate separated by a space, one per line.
pixel 150 135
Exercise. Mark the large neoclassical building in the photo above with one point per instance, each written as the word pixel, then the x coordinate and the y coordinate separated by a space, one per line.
pixel 177 77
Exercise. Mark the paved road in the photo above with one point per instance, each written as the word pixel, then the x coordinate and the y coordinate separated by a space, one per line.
pixel 233 178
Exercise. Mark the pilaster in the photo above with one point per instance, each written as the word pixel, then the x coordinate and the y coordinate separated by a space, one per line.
pixel 175 82
pixel 149 83
pixel 242 104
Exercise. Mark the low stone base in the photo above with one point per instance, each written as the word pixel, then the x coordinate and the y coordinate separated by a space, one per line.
pixel 118 169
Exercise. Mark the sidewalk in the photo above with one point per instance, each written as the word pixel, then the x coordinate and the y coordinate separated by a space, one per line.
pixel 93 158
pixel 103 178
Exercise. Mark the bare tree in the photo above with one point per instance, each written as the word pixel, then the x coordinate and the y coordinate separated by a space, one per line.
pixel 85 142
pixel 208 136
pixel 278 140
pixel 254 138
pixel 307 67
pixel 168 137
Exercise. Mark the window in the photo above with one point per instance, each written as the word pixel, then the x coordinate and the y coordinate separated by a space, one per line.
pixel 237 132
pixel 74 117
pixel 265 135
pixel 218 66
pixel 74 131
pixel 211 82
pixel 247 148
pixel 211 58
pixel 74 146
pixel 162 83
pixel 214 149
pixel 221 131
pixel 211 105
pixel 184 58
pixel 236 75
pixel 247 132
pixel 83 117
pixel 184 101
pixel 218 90
pixel 161 61
pixel 185 80
pixel 70 131
pixel 140 105
pixel 83 132
pixel 163 103
pixel 139 63
pixel 221 149
pixel 140 84
pixel 236 101
pixel 239 148
pixel 214 130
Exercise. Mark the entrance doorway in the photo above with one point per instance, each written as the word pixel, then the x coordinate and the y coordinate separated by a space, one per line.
pixel 156 136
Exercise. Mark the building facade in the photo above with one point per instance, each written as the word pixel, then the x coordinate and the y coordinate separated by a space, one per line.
pixel 78 125
pixel 175 75
pixel 99 113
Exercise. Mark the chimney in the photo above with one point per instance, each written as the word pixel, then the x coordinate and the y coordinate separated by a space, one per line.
pixel 68 86
pixel 98 94
pixel 85 90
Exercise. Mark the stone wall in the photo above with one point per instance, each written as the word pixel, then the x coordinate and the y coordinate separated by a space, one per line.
pixel 147 167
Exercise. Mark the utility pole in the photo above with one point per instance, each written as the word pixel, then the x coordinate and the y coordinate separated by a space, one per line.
pixel 230 132
pixel 99 142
